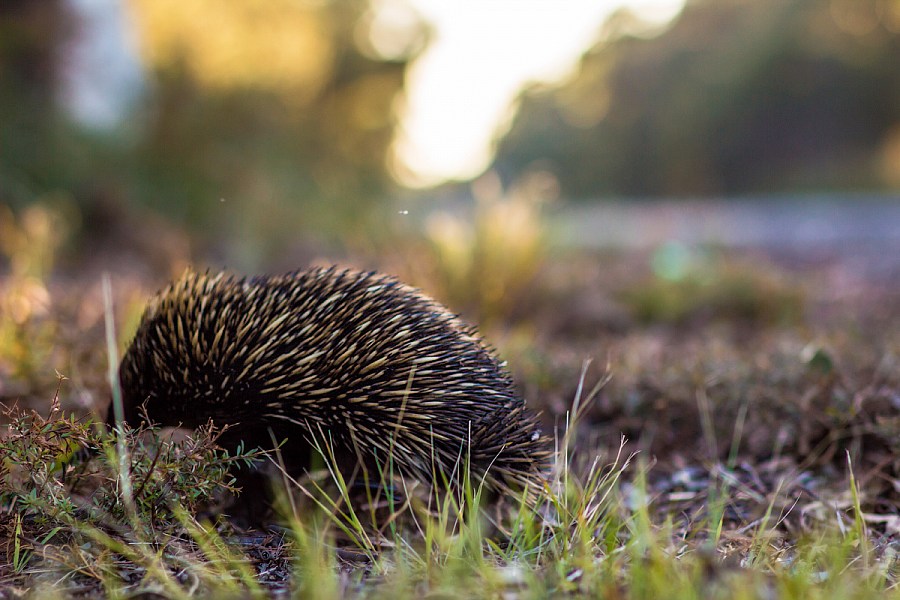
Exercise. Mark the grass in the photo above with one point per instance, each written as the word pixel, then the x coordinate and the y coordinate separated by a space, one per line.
pixel 759 456
pixel 600 529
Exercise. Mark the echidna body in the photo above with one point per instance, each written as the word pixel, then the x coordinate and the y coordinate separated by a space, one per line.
pixel 358 359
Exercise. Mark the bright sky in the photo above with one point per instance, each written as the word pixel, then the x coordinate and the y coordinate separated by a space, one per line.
pixel 460 91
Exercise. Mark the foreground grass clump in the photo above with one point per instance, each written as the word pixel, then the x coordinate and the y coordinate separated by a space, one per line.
pixel 600 527
pixel 70 515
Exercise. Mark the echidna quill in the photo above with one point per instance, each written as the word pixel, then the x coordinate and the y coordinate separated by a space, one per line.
pixel 359 359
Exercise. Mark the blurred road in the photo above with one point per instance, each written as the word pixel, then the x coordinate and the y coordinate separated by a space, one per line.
pixel 776 223
pixel 806 225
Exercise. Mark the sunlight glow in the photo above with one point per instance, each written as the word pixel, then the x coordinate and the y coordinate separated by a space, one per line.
pixel 462 90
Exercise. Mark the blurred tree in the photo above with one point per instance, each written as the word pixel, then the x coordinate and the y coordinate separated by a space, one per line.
pixel 267 115
pixel 32 33
pixel 735 96
pixel 260 119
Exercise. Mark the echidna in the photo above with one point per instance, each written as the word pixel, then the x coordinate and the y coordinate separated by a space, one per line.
pixel 359 359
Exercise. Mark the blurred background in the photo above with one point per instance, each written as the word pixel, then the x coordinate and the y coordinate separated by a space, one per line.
pixel 568 174
pixel 696 202
pixel 256 127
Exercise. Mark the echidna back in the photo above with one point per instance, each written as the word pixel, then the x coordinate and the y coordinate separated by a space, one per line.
pixel 355 358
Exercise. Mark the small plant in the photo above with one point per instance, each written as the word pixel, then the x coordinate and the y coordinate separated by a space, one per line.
pixel 59 489
pixel 57 469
